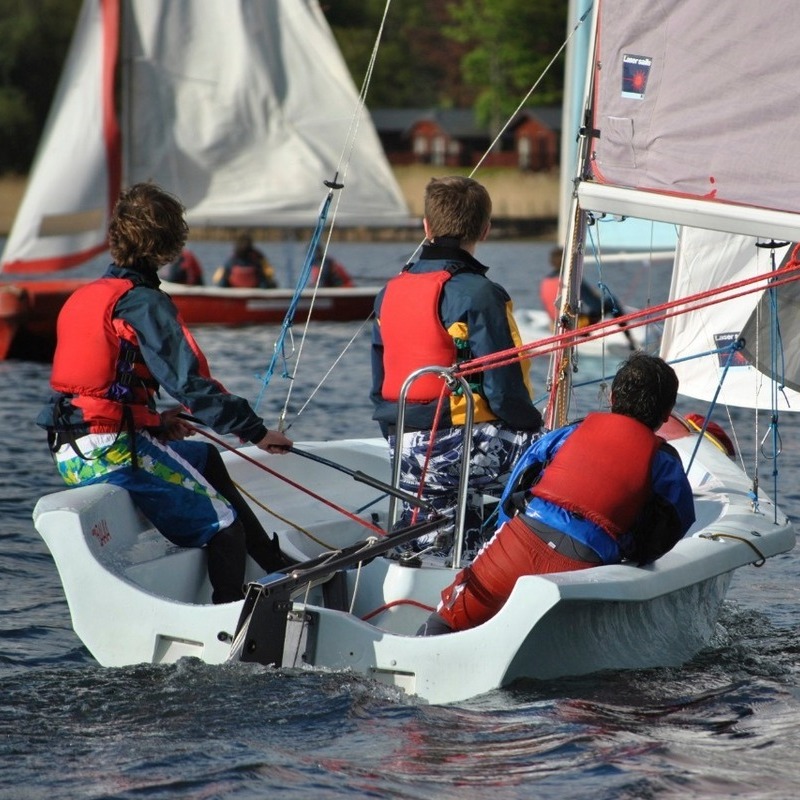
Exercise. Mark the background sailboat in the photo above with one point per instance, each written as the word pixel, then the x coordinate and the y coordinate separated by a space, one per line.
pixel 242 109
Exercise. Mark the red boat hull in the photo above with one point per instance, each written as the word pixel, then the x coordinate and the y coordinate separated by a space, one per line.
pixel 28 309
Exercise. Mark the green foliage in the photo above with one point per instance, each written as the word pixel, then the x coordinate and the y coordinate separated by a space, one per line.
pixel 486 53
pixel 510 44
pixel 406 72
pixel 35 36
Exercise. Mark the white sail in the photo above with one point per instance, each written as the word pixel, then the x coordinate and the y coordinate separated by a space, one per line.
pixel 776 319
pixel 698 343
pixel 62 219
pixel 243 109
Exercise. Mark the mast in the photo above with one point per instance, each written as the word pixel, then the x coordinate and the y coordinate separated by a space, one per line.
pixel 561 362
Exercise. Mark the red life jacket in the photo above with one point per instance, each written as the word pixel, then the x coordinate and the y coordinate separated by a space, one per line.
pixel 413 334
pixel 548 294
pixel 334 275
pixel 97 360
pixel 614 490
pixel 244 276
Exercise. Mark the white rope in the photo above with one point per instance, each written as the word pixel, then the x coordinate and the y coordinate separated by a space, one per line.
pixel 344 165
pixel 341 170
pixel 530 91
pixel 332 367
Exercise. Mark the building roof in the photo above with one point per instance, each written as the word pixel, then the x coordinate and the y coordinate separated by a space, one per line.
pixel 458 122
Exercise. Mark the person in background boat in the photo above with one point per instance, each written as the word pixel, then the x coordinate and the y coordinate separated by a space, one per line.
pixel 119 341
pixel 598 491
pixel 441 310
pixel 184 269
pixel 592 303
pixel 333 274
pixel 247 268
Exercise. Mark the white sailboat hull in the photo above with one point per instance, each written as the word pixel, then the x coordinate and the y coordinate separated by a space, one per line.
pixel 135 598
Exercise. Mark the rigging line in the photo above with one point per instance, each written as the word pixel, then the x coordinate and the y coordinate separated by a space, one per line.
pixel 734 347
pixel 429 450
pixel 776 352
pixel 533 88
pixel 343 164
pixel 358 114
pixel 275 474
pixel 332 367
pixel 299 528
pixel 292 310
pixel 605 292
pixel 520 105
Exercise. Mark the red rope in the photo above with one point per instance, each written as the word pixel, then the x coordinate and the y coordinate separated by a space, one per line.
pixel 296 485
pixel 429 451
pixel 634 319
pixel 387 606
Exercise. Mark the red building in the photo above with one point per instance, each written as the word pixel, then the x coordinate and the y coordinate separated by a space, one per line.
pixel 452 137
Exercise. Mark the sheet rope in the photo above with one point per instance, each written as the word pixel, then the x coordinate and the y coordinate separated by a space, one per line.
pixel 633 319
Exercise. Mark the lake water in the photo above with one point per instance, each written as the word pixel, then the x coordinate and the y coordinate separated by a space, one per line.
pixel 725 725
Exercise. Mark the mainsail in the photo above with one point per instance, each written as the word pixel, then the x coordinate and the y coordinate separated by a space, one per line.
pixel 693 116
pixel 610 233
pixel 242 108
pixel 690 120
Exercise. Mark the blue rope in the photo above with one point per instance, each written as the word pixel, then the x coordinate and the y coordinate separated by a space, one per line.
pixel 776 354
pixel 279 350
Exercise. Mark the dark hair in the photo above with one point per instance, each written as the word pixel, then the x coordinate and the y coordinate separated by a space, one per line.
pixel 147 228
pixel 457 207
pixel 243 245
pixel 645 388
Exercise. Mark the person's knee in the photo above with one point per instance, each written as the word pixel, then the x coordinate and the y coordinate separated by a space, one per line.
pixel 215 469
pixel 231 538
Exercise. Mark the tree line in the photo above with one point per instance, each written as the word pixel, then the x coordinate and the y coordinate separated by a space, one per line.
pixel 481 54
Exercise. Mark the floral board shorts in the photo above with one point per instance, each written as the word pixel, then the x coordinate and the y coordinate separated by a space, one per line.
pixel 166 485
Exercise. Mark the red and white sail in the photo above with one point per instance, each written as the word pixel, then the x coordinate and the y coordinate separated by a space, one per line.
pixel 242 108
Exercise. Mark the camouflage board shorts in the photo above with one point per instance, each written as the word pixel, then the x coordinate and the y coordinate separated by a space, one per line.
pixel 495 450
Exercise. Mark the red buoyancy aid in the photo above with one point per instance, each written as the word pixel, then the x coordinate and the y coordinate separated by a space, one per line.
pixel 413 334
pixel 613 491
pixel 97 360
pixel 244 276
pixel 548 294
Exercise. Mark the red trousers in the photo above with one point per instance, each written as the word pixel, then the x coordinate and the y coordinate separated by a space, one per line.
pixel 480 590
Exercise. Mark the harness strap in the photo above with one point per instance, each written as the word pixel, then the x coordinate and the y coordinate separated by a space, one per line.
pixel 56 436
pixel 561 542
